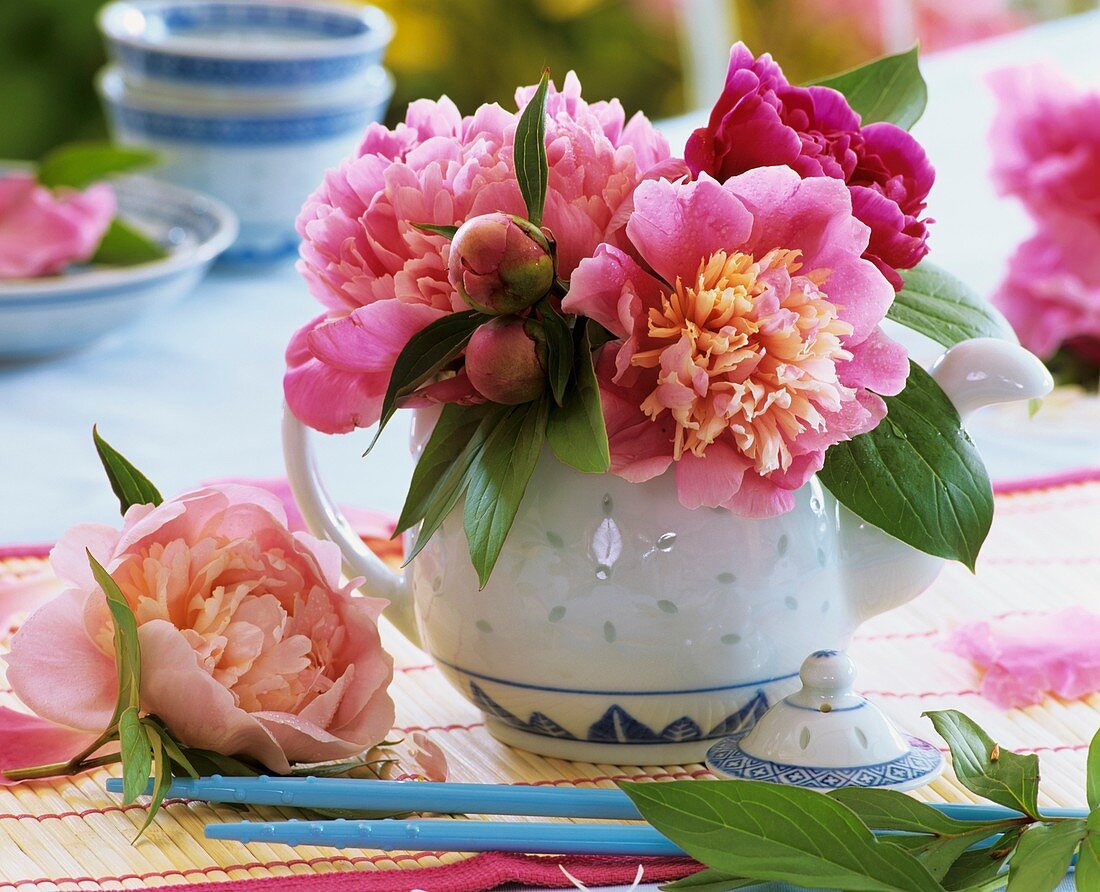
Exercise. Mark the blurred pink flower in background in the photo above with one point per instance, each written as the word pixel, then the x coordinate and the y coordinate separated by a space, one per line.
pixel 761 120
pixel 1051 293
pixel 765 352
pixel 42 231
pixel 937 24
pixel 1046 142
pixel 250 645
pixel 1046 150
pixel 382 280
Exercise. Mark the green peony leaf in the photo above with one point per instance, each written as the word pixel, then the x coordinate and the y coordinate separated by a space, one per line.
pixel 426 354
pixel 80 164
pixel 127 482
pixel 449 439
pixel 710 881
pixel 576 430
pixel 136 754
pixel 887 89
pixel 498 479
pixel 1092 769
pixel 162 772
pixel 935 303
pixel 127 649
pixel 1088 857
pixel 983 868
pixel 123 245
pixel 917 476
pixel 559 349
pixel 1043 856
pixel 447 232
pixel 767 831
pixel 985 769
pixel 532 171
pixel 455 479
pixel 941 839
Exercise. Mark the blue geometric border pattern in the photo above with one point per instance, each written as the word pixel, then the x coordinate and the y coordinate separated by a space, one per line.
pixel 617 725
pixel 186 19
pixel 257 130
pixel 922 760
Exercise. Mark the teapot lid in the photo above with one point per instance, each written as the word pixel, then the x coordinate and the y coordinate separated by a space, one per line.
pixel 826 736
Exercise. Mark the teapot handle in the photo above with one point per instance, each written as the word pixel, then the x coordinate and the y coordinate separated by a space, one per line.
pixel 325 520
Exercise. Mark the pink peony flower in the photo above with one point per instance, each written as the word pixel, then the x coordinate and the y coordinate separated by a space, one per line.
pixel 1046 142
pixel 761 120
pixel 756 348
pixel 249 644
pixel 42 232
pixel 1051 294
pixel 382 280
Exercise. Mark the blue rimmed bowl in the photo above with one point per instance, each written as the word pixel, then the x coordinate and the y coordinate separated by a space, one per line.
pixel 227 47
pixel 58 314
pixel 262 158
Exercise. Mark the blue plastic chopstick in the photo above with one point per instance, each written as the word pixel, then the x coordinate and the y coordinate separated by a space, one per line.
pixel 443 835
pixel 453 798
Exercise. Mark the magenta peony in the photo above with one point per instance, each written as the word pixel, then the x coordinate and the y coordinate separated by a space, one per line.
pixel 1046 140
pixel 42 232
pixel 1051 294
pixel 250 646
pixel 756 349
pixel 382 280
pixel 761 120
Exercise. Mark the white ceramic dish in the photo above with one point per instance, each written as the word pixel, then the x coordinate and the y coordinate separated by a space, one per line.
pixel 243 47
pixel 57 314
pixel 261 158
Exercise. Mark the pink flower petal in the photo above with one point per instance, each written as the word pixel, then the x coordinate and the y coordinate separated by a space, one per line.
pixel 1025 658
pixel 759 498
pixel 370 338
pixel 172 683
pixel 58 671
pixel 713 479
pixel 877 363
pixel 27 741
pixel 675 227
pixel 597 288
pixel 328 399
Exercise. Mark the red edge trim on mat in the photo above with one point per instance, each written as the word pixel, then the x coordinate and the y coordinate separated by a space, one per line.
pixel 476 874
pixel 1047 481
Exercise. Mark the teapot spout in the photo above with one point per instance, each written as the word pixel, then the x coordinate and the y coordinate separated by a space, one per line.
pixel 984 371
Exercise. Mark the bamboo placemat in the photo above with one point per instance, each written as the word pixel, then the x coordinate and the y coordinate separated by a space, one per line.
pixel 1043 554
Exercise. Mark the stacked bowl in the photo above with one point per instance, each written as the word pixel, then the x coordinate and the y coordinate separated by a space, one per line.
pixel 247 100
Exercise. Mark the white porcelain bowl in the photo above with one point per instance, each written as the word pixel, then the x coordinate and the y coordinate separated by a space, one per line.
pixel 244 48
pixel 262 158
pixel 58 314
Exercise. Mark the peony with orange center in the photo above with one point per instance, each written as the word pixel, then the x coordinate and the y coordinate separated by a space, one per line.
pixel 748 342
pixel 250 645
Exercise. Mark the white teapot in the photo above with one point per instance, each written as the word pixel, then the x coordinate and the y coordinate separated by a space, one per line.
pixel 620 627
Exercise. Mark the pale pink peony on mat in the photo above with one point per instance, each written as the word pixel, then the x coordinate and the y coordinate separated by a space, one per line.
pixel 1026 658
pixel 250 645
pixel 382 280
pixel 764 351
pixel 42 232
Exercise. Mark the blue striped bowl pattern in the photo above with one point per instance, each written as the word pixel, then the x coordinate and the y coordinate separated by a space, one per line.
pixel 246 45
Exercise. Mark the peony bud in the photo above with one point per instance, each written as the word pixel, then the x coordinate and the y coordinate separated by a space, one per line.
pixel 500 264
pixel 503 362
